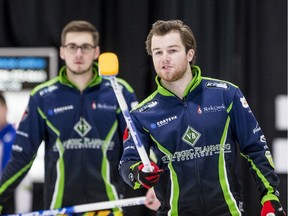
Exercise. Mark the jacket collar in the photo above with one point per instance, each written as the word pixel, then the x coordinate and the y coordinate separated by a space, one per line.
pixel 196 71
pixel 65 81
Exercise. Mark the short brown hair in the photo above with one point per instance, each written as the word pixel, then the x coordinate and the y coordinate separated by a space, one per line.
pixel 80 26
pixel 162 27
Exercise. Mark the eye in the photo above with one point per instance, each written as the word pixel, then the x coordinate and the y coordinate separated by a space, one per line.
pixel 157 53
pixel 86 47
pixel 72 46
pixel 172 51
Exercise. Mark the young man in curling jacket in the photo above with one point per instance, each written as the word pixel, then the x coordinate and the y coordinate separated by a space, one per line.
pixel 195 126
pixel 78 117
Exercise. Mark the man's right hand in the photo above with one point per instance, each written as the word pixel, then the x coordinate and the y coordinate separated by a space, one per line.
pixel 151 201
pixel 147 179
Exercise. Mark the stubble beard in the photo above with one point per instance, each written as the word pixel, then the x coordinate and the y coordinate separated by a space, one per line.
pixel 80 72
pixel 172 77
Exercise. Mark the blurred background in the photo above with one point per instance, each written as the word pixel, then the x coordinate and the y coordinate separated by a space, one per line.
pixel 242 41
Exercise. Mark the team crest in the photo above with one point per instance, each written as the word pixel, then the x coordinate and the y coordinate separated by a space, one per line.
pixel 191 136
pixel 82 127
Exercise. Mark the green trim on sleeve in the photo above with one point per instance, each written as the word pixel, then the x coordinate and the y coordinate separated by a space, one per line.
pixel 60 167
pixel 105 167
pixel 136 185
pixel 10 181
pixel 134 165
pixel 228 196
pixel 44 85
pixel 174 196
pixel 269 188
pixel 269 197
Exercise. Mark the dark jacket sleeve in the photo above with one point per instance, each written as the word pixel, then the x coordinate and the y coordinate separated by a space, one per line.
pixel 130 157
pixel 131 101
pixel 253 146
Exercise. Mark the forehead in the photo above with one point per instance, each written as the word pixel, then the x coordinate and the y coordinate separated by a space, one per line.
pixel 168 40
pixel 79 38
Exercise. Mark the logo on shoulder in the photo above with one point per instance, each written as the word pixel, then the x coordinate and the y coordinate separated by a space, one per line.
pixel 256 129
pixel 244 102
pixel 148 106
pixel 220 85
pixel 47 90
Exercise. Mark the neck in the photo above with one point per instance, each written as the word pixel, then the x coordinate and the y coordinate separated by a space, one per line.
pixel 80 80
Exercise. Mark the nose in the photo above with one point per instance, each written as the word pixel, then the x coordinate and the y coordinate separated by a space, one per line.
pixel 165 56
pixel 79 51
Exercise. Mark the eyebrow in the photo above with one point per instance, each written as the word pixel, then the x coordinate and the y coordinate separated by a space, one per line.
pixel 172 46
pixel 72 43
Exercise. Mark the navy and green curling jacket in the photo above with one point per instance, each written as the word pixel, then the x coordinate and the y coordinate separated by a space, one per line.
pixel 83 135
pixel 197 140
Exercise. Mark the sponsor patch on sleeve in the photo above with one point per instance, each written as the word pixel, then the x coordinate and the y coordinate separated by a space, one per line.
pixel 219 85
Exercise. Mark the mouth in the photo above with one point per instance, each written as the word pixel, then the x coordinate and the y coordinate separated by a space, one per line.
pixel 166 67
pixel 78 62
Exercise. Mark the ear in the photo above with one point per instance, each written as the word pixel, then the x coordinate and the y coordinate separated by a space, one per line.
pixel 97 52
pixel 190 55
pixel 61 53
